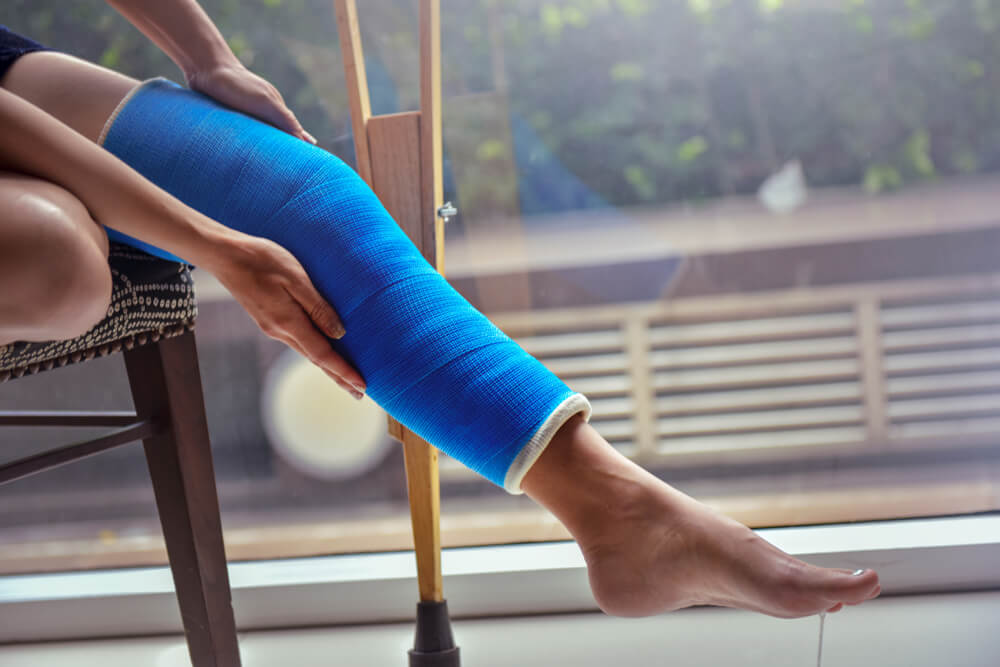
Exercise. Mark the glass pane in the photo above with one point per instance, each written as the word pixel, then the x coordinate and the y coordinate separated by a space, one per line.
pixel 761 237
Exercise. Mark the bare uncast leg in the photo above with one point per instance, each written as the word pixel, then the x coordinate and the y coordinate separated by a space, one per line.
pixel 53 262
pixel 648 547
pixel 53 254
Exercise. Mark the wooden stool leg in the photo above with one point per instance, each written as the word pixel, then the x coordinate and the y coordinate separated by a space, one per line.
pixel 166 384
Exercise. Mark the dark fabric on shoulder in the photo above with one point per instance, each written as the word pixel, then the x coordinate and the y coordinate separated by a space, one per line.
pixel 13 46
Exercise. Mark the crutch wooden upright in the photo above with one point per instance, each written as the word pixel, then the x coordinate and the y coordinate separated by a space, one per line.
pixel 399 156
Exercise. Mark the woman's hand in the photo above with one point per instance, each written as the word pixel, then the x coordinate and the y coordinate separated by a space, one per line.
pixel 240 89
pixel 273 287
pixel 185 33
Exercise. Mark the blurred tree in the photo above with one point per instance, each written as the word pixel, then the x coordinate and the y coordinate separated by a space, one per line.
pixel 626 102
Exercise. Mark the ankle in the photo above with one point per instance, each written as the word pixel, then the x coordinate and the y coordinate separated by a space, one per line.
pixel 587 484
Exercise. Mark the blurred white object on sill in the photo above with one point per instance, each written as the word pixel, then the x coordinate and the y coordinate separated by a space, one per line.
pixel 785 190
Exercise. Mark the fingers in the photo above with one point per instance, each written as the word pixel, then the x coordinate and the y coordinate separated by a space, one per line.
pixel 341 373
pixel 241 89
pixel 319 351
pixel 282 116
pixel 294 328
pixel 315 347
pixel 292 126
pixel 319 311
pixel 287 121
pixel 344 385
pixel 277 292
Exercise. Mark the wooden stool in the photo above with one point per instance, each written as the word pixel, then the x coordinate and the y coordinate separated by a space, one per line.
pixel 151 322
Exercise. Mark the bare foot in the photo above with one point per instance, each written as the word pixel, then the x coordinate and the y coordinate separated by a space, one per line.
pixel 651 549
pixel 673 552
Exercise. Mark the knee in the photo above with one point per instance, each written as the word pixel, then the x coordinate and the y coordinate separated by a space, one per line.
pixel 71 290
pixel 79 297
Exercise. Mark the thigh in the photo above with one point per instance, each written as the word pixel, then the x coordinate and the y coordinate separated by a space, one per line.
pixel 53 261
pixel 80 94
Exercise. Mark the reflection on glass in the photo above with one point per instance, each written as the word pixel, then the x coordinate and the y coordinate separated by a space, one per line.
pixel 318 427
pixel 761 237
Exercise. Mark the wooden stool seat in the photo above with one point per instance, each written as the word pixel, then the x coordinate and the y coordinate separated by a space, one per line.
pixel 150 298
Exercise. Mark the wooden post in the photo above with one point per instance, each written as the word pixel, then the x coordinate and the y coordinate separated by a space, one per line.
pixel 402 153
pixel 356 81
pixel 869 332
pixel 430 132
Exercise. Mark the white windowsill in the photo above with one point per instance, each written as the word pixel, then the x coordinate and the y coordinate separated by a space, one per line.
pixel 921 555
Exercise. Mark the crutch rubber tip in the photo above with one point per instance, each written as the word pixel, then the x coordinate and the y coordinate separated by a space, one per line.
pixel 434 645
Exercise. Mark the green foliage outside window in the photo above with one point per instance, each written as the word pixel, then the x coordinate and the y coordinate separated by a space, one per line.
pixel 643 102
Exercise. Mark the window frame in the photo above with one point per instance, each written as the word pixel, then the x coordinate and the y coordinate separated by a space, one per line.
pixel 521 579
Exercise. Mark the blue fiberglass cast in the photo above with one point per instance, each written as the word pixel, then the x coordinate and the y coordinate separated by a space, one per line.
pixel 428 357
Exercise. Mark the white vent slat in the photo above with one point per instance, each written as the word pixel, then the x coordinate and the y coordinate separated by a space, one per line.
pixel 725 354
pixel 940 313
pixel 612 406
pixel 614 429
pixel 943 383
pixel 760 375
pixel 941 337
pixel 947 428
pixel 782 378
pixel 773 327
pixel 932 407
pixel 946 361
pixel 567 367
pixel 741 441
pixel 602 385
pixel 795 396
pixel 829 416
pixel 572 342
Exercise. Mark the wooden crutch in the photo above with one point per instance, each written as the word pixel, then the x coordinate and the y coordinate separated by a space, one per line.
pixel 399 156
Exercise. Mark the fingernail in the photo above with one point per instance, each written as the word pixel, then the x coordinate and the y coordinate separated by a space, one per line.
pixel 310 138
pixel 357 395
pixel 337 331
pixel 359 387
pixel 858 573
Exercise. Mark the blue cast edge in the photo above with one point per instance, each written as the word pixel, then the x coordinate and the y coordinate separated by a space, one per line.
pixel 573 404
pixel 114 234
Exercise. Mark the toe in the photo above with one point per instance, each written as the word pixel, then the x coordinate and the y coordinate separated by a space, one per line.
pixel 815 589
pixel 849 586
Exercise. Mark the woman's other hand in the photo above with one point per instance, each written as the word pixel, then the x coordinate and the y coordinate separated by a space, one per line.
pixel 273 287
pixel 240 89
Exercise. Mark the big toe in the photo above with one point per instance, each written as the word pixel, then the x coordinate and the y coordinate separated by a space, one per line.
pixel 847 585
pixel 815 589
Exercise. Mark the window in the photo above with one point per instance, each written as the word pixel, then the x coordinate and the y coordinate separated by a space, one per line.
pixel 762 237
